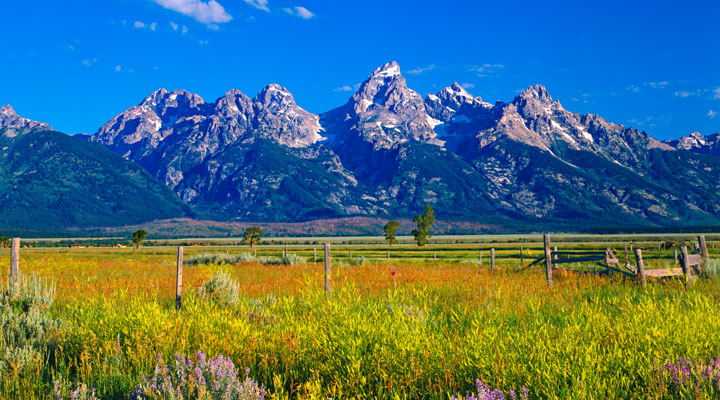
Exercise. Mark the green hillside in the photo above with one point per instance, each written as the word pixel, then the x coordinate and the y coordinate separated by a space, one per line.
pixel 51 181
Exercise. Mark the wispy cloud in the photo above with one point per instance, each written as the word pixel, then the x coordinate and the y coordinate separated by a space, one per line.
pixel 686 94
pixel 139 25
pixel 259 4
pixel 90 62
pixel 174 26
pixel 420 70
pixel 633 88
pixel 153 26
pixel 487 70
pixel 347 88
pixel 657 85
pixel 210 12
pixel 298 11
pixel 712 114
pixel 716 93
pixel 468 85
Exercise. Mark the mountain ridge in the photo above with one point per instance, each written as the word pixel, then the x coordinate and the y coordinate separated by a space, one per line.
pixel 388 151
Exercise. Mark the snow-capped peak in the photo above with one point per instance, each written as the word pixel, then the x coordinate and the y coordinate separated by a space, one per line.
pixel 7 110
pixel 387 70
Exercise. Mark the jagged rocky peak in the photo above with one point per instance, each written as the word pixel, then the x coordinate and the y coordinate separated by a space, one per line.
pixel 697 142
pixel 385 87
pixel 234 104
pixel 13 124
pixel 536 100
pixel 447 102
pixel 278 117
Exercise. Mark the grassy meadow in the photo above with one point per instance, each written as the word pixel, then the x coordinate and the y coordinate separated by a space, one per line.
pixel 426 332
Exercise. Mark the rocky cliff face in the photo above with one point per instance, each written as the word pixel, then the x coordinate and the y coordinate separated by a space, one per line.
pixel 12 124
pixel 698 143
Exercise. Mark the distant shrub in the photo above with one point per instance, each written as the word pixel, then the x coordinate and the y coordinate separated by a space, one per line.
pixel 26 328
pixel 359 260
pixel 221 289
pixel 220 258
pixel 712 269
pixel 288 259
pixel 188 379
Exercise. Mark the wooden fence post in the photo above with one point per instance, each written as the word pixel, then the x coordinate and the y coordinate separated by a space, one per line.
pixel 684 264
pixel 703 248
pixel 548 260
pixel 554 257
pixel 640 267
pixel 522 259
pixel 327 271
pixel 255 251
pixel 434 256
pixel 350 254
pixel 178 279
pixel 480 257
pixel 388 254
pixel 675 253
pixel 315 254
pixel 285 251
pixel 15 260
pixel 492 260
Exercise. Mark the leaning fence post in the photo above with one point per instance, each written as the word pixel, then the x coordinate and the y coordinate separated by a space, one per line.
pixel 327 270
pixel 548 260
pixel 640 267
pixel 684 264
pixel 703 248
pixel 492 260
pixel 15 260
pixel 178 279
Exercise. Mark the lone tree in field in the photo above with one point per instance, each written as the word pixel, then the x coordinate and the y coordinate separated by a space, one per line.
pixel 424 223
pixel 252 235
pixel 138 237
pixel 4 241
pixel 390 229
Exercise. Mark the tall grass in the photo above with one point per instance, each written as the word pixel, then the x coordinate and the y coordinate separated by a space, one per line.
pixel 443 328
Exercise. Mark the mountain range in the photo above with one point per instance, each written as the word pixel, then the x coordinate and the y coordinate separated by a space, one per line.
pixel 387 152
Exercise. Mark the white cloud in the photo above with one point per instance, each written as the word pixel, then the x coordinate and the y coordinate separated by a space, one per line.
pixel 206 13
pixel 716 93
pixel 633 88
pixel 202 42
pixel 153 26
pixel 488 70
pixel 90 62
pixel 174 26
pixel 685 93
pixel 345 88
pixel 468 85
pixel 298 11
pixel 420 70
pixel 657 85
pixel 259 4
pixel 139 24
pixel 118 68
pixel 184 29
pixel 712 114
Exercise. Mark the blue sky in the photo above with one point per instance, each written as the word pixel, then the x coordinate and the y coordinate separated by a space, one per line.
pixel 654 65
